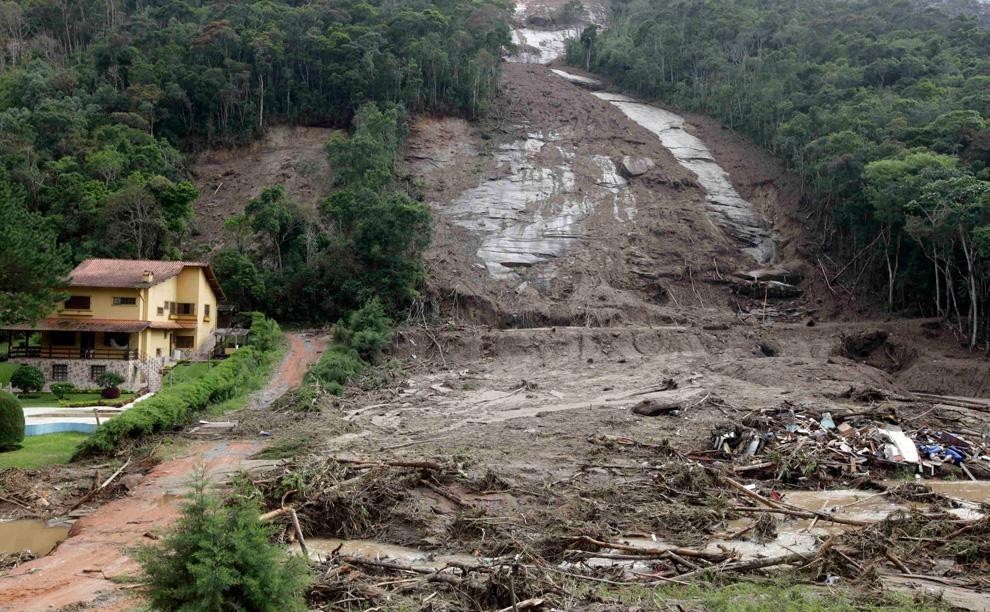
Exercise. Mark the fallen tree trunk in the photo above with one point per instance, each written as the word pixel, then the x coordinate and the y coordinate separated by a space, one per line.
pixel 744 566
pixel 683 552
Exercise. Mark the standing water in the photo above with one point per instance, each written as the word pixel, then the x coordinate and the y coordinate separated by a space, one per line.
pixel 33 535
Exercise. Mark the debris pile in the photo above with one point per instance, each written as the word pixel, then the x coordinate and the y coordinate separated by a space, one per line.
pixel 803 445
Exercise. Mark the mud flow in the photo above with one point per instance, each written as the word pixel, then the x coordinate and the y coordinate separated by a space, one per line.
pixel 627 374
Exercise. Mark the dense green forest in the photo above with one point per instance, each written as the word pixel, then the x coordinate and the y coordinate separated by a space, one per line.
pixel 882 106
pixel 101 101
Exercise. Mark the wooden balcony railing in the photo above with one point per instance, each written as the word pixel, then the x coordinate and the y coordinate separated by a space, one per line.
pixel 72 352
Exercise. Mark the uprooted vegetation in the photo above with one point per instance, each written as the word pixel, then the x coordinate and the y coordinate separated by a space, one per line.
pixel 635 515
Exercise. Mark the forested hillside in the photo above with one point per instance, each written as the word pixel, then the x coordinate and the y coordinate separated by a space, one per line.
pixel 102 100
pixel 882 106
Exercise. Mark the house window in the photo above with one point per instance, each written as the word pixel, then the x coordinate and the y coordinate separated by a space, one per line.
pixel 183 308
pixel 63 338
pixel 161 311
pixel 184 342
pixel 206 312
pixel 60 372
pixel 95 372
pixel 158 352
pixel 77 302
pixel 124 301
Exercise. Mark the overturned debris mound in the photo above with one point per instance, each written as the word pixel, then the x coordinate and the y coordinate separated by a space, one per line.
pixel 916 542
pixel 494 584
pixel 352 498
pixel 878 349
pixel 777 275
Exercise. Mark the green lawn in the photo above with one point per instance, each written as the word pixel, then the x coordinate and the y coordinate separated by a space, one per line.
pixel 6 369
pixel 41 451
pixel 185 372
pixel 48 400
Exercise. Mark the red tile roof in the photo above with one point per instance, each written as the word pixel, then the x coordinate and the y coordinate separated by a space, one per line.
pixel 131 273
pixel 125 272
pixel 85 325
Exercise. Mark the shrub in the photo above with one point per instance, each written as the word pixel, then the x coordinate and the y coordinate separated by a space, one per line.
pixel 28 379
pixel 109 381
pixel 265 333
pixel 219 557
pixel 61 389
pixel 368 330
pixel 335 368
pixel 11 421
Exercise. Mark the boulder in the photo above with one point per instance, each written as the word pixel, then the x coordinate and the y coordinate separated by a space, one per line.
pixel 635 166
pixel 649 407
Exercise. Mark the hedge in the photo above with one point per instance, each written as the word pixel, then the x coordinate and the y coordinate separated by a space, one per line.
pixel 11 421
pixel 172 407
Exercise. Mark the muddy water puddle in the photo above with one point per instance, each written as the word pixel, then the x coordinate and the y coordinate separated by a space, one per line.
pixel 36 536
pixel 805 535
pixel 977 492
pixel 320 548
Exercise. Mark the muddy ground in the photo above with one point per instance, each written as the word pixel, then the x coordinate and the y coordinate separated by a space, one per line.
pixel 227 179
pixel 503 455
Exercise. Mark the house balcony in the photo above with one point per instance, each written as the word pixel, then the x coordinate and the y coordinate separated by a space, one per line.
pixel 72 352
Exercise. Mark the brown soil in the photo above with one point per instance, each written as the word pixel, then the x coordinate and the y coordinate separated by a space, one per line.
pixel 502 427
pixel 294 157
pixel 659 269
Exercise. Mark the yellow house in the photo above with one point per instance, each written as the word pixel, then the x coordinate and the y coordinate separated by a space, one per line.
pixel 128 316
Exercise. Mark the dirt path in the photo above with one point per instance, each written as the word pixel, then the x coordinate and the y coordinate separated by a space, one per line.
pixel 87 567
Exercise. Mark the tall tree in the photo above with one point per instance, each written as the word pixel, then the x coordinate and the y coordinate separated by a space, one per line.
pixel 34 265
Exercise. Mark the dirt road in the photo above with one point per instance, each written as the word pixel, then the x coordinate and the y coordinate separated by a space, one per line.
pixel 87 567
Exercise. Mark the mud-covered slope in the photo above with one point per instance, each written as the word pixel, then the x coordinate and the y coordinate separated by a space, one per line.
pixel 535 221
pixel 294 157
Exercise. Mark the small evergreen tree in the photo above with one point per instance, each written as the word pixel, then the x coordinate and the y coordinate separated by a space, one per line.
pixel 219 557
pixel 28 379
pixel 11 421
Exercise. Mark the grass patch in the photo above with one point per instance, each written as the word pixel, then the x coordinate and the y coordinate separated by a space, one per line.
pixel 762 597
pixel 48 400
pixel 188 372
pixel 6 370
pixel 41 451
